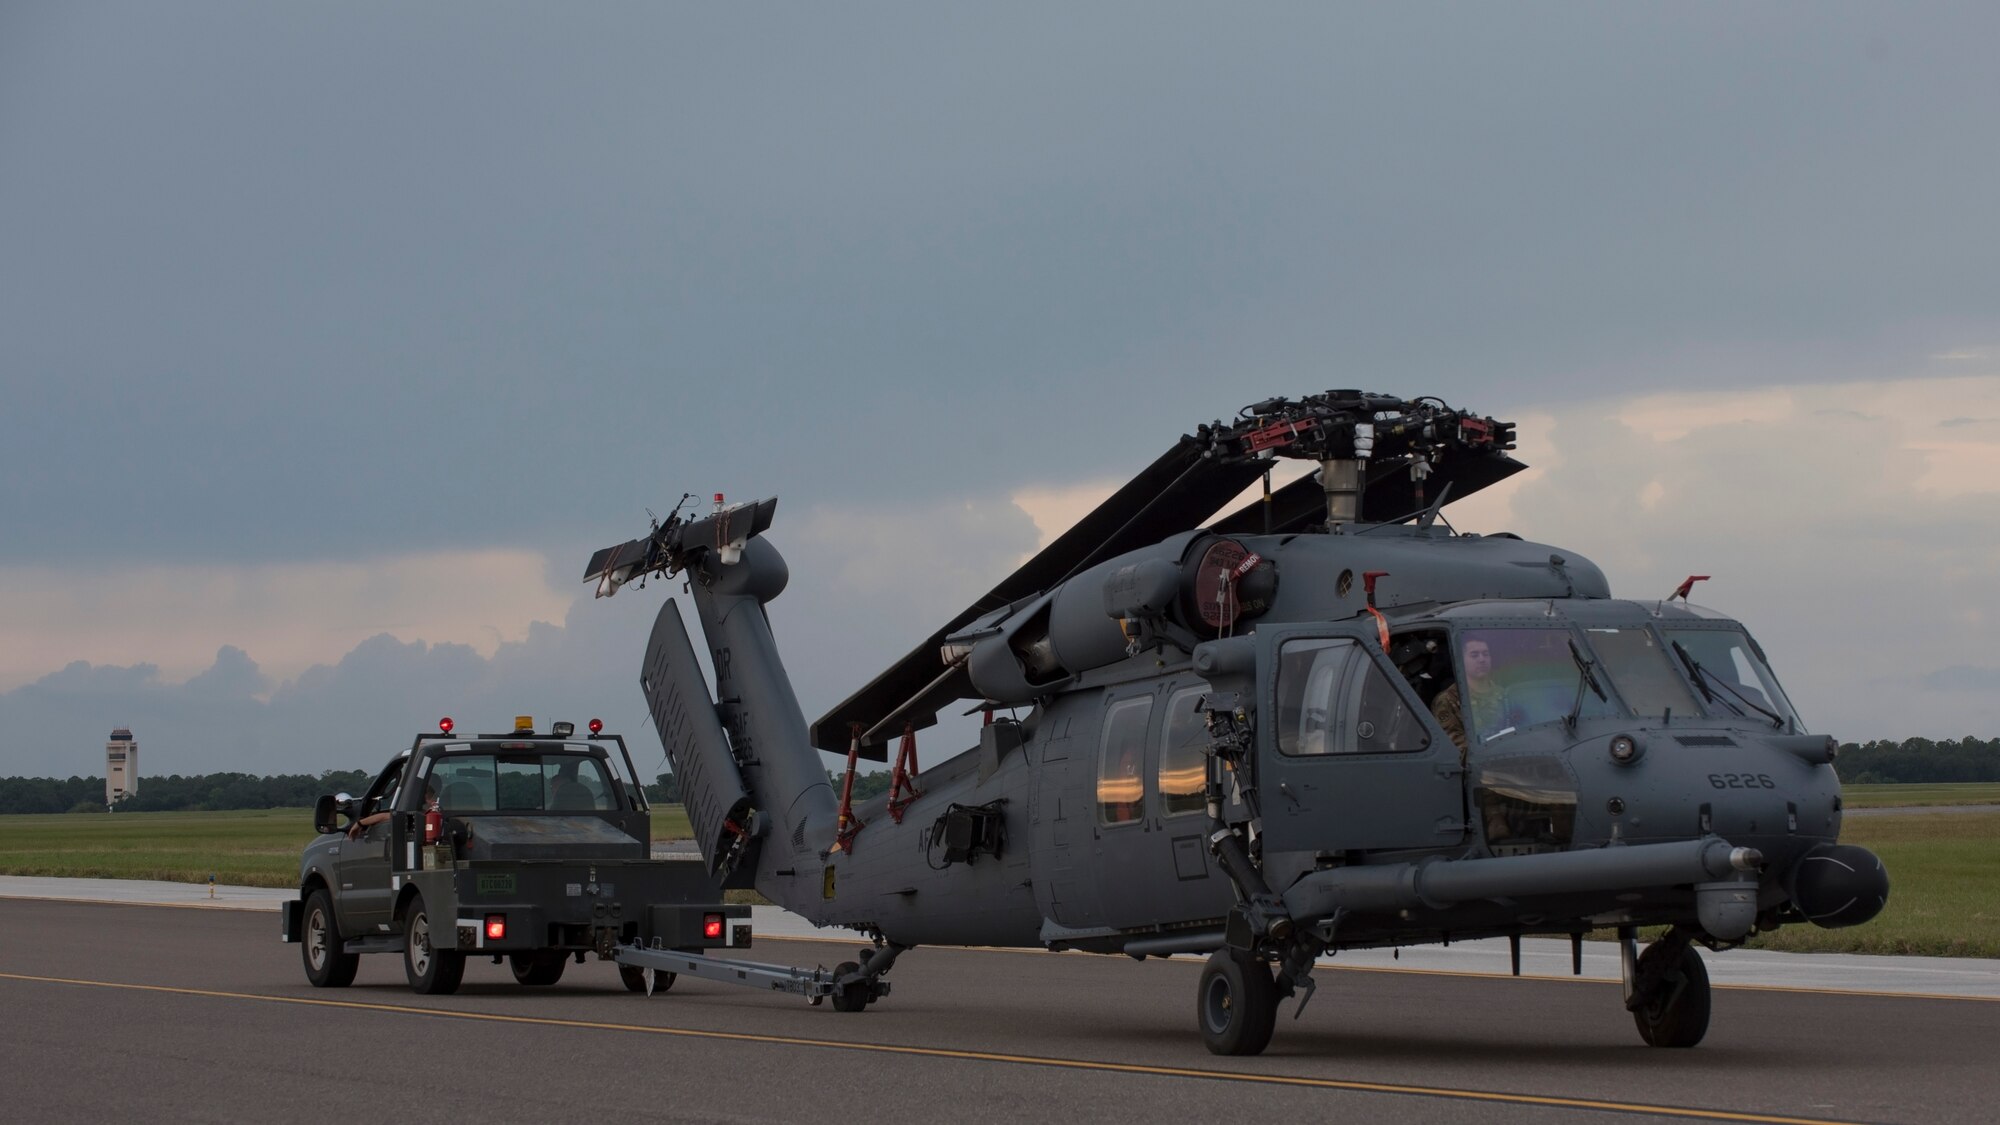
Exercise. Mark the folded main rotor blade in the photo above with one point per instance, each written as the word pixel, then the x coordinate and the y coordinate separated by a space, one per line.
pixel 1176 493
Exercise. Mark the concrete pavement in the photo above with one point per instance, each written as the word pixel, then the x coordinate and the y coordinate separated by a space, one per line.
pixel 1540 957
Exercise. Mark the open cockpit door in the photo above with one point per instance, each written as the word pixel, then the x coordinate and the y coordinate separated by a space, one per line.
pixel 1348 757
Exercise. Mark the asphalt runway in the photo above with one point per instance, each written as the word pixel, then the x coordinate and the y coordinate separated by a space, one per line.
pixel 200 1014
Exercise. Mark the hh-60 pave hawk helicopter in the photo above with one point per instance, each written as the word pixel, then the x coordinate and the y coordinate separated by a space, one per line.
pixel 1232 742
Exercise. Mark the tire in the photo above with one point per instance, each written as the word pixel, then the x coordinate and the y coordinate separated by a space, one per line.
pixel 1677 1014
pixel 853 997
pixel 327 965
pixel 543 966
pixel 635 979
pixel 432 971
pixel 1236 1004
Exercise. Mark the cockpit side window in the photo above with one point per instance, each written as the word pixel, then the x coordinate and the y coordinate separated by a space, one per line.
pixel 1334 699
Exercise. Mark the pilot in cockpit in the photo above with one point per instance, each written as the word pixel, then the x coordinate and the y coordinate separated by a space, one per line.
pixel 1482 697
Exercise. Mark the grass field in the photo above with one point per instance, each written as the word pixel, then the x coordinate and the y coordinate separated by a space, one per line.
pixel 250 849
pixel 1944 870
pixel 1912 796
pixel 1944 889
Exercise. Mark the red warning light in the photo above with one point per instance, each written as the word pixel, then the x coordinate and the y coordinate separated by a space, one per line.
pixel 445 724
pixel 496 927
pixel 711 927
pixel 596 726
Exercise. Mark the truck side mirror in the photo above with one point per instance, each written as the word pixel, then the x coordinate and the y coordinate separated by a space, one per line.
pixel 328 808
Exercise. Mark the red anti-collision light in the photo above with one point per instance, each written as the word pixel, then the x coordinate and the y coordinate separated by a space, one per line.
pixel 711 926
pixel 596 726
pixel 496 927
pixel 445 724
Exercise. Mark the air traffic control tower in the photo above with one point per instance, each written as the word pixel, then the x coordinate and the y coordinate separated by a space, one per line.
pixel 121 767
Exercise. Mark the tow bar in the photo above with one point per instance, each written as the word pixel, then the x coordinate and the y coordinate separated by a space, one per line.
pixel 853 985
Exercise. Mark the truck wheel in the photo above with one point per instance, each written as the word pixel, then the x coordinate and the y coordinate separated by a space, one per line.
pixel 1238 1004
pixel 543 966
pixel 327 965
pixel 635 979
pixel 1675 1013
pixel 432 971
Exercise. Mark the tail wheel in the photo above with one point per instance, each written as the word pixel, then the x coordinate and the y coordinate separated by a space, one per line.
pixel 327 965
pixel 543 966
pixel 635 978
pixel 431 971
pixel 1236 1004
pixel 1673 1009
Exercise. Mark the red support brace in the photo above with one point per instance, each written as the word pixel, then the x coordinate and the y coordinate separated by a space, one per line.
pixel 903 782
pixel 848 826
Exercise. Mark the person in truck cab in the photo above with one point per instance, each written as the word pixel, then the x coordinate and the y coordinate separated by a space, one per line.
pixel 355 830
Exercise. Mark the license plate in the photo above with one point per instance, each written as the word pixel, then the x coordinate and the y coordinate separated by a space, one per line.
pixel 496 884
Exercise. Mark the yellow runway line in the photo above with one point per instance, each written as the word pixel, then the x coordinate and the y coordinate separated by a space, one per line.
pixel 1445 1092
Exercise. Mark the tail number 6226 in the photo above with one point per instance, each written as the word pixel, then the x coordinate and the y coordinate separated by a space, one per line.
pixel 1742 781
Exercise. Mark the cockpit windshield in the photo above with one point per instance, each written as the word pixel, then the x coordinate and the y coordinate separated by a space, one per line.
pixel 1512 679
pixel 1737 681
pixel 1641 671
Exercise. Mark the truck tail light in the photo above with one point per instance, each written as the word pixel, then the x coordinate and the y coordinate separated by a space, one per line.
pixel 496 927
pixel 711 927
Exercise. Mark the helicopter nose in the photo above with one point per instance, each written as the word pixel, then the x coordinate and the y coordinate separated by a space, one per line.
pixel 1836 885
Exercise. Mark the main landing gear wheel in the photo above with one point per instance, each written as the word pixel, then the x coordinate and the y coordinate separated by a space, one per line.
pixel 852 997
pixel 543 966
pixel 1237 1004
pixel 635 978
pixel 327 966
pixel 1674 997
pixel 432 971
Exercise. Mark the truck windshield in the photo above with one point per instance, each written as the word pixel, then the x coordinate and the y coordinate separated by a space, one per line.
pixel 1641 670
pixel 522 782
pixel 1739 682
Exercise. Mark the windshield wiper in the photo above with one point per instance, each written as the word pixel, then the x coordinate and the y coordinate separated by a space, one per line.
pixel 1702 681
pixel 1586 676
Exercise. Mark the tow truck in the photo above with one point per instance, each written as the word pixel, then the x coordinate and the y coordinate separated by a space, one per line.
pixel 532 849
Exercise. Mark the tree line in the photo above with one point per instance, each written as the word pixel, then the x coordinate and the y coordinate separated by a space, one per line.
pixel 1919 760
pixel 204 792
pixel 1881 762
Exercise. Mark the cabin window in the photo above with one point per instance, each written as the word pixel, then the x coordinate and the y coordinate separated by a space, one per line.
pixel 1121 783
pixel 1333 699
pixel 1183 776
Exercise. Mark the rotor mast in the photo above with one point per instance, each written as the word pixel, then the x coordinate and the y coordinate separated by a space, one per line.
pixel 1348 432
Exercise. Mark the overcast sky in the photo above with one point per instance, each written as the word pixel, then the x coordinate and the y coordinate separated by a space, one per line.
pixel 333 338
